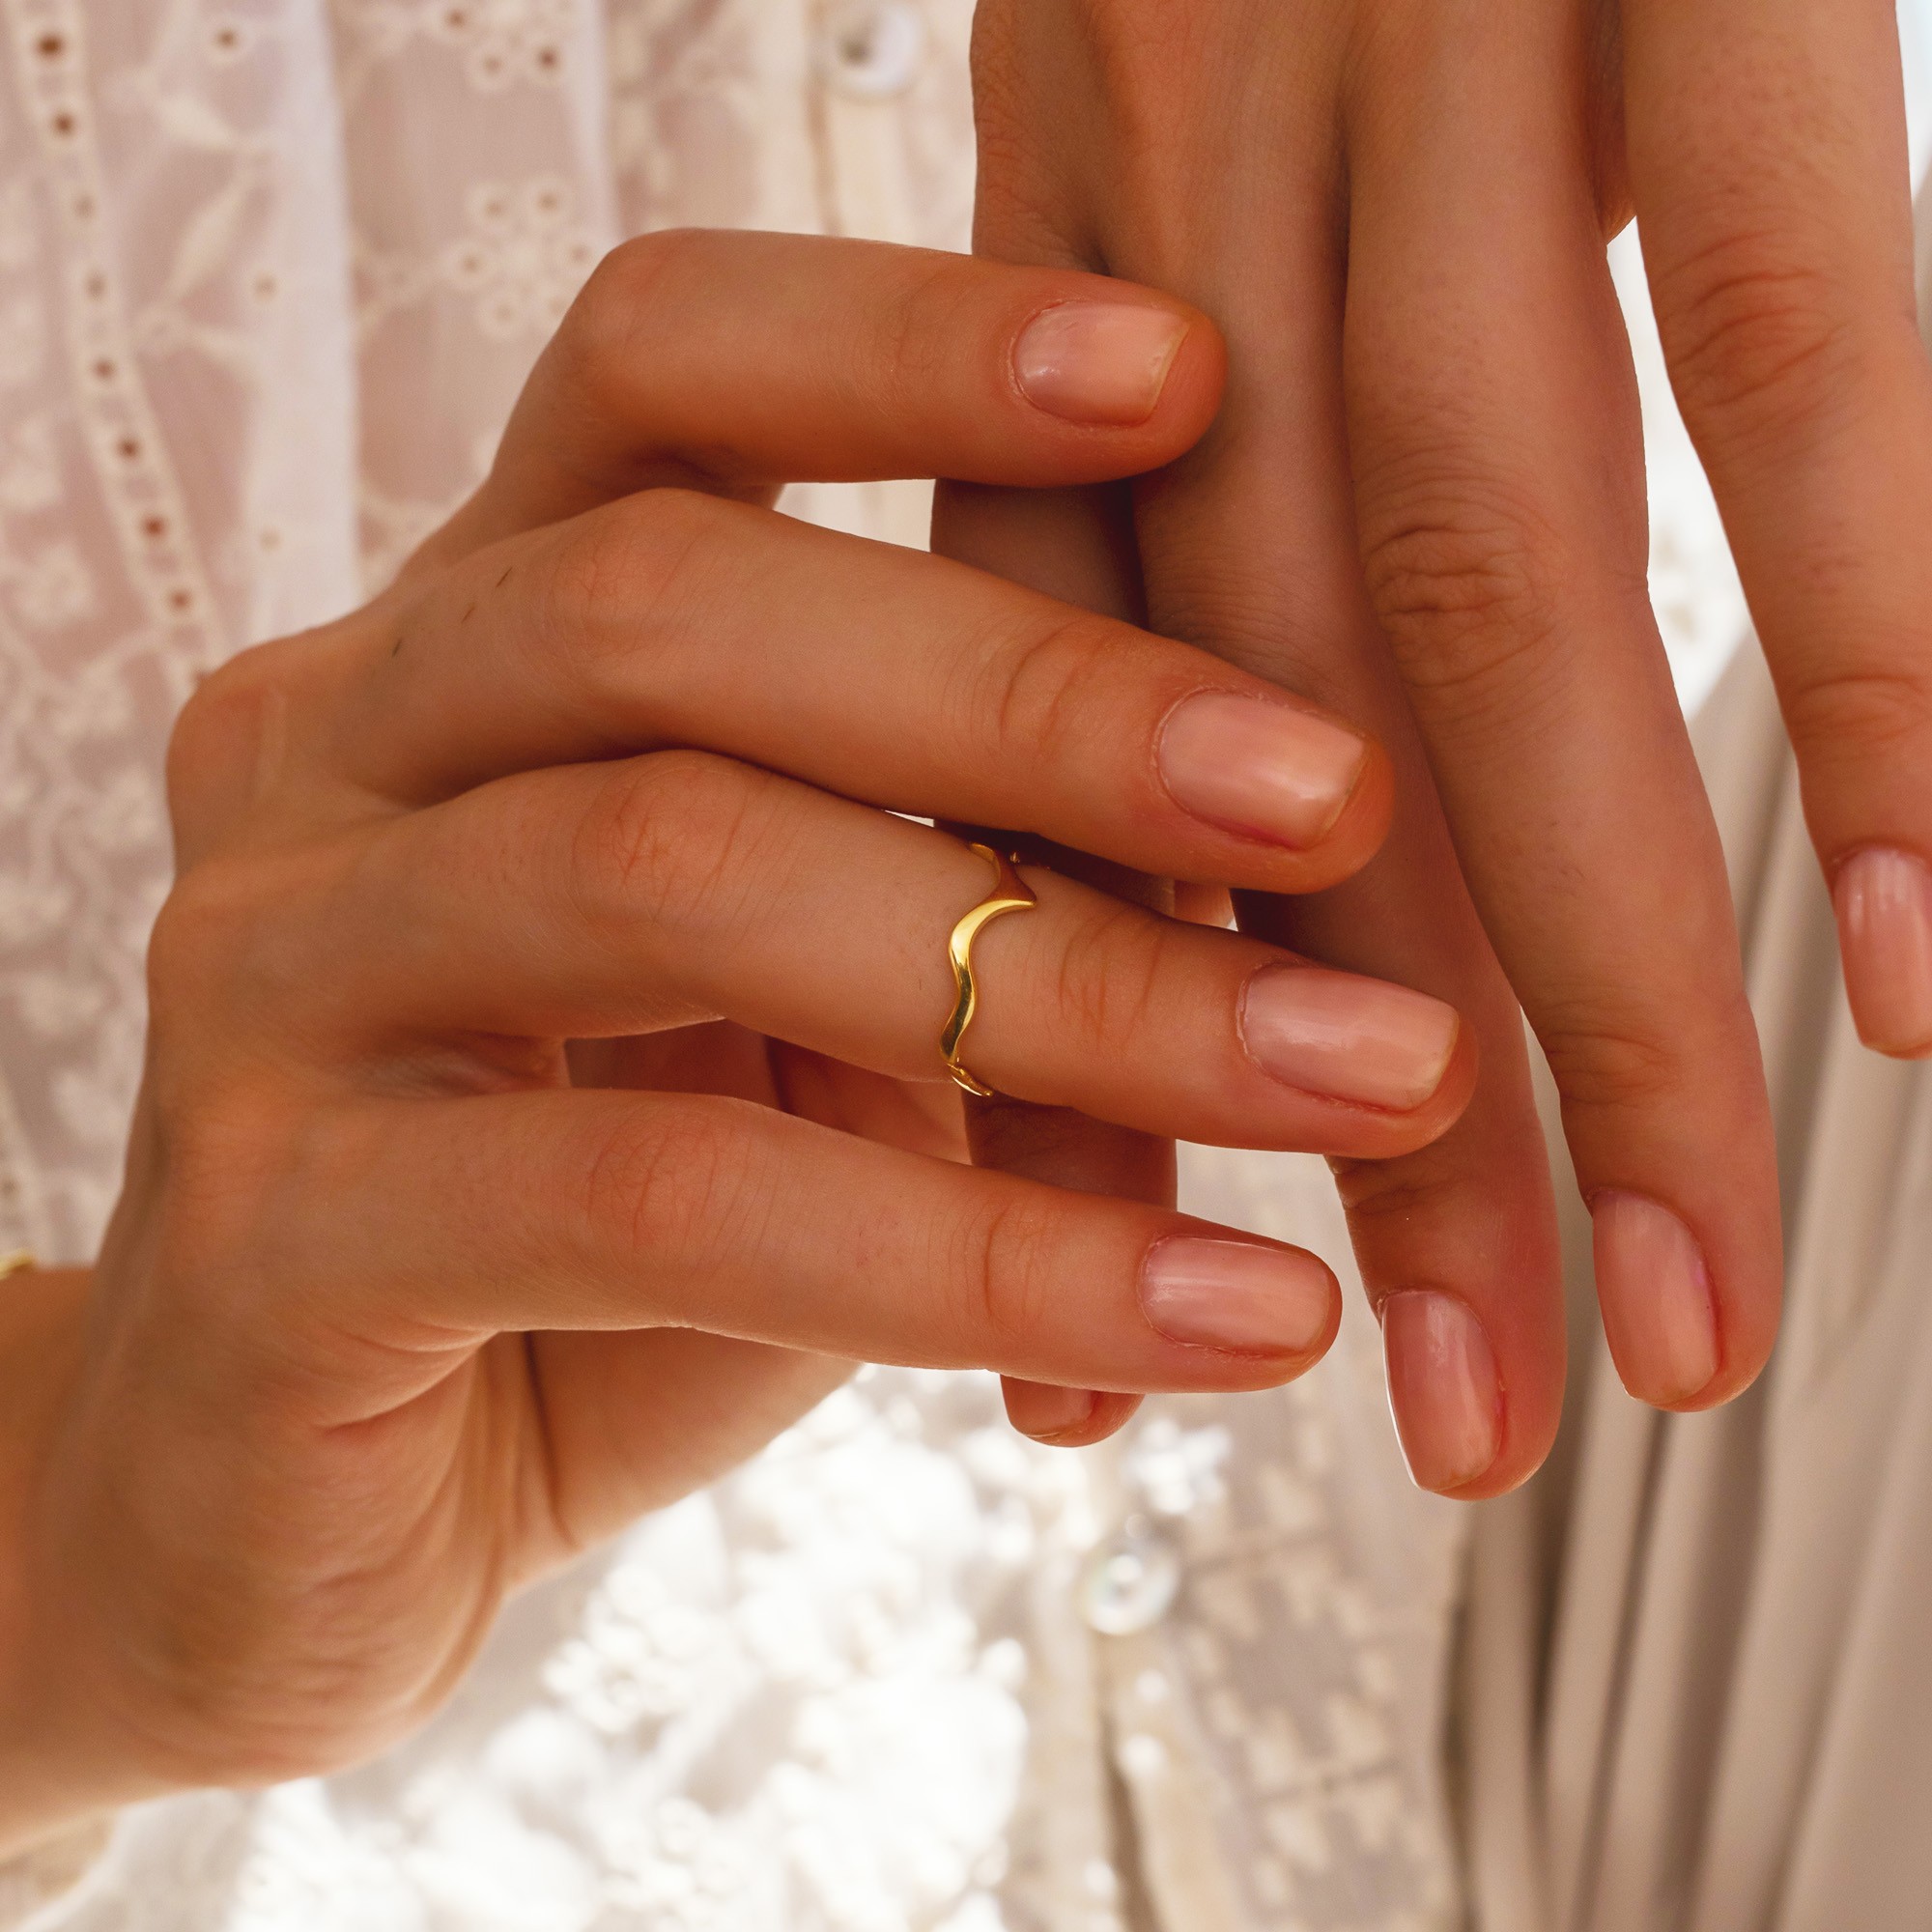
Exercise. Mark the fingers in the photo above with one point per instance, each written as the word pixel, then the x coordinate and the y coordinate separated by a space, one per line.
pixel 1768 159
pixel 573 1210
pixel 621 898
pixel 1248 548
pixel 879 672
pixel 741 361
pixel 1066 1418
pixel 1500 496
pixel 1068 1149
pixel 636 1422
pixel 1075 544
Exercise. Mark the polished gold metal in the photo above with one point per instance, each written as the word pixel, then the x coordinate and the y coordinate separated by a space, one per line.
pixel 16 1262
pixel 1011 893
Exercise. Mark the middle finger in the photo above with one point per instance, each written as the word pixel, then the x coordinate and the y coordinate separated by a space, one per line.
pixel 916 683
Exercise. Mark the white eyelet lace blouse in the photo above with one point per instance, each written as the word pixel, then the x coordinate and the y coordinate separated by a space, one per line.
pixel 271 274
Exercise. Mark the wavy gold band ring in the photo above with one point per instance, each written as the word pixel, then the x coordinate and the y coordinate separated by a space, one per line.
pixel 1011 893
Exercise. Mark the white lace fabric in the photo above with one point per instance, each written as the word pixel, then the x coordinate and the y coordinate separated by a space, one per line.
pixel 271 274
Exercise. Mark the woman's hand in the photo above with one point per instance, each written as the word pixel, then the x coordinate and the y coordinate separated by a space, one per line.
pixel 543 1102
pixel 1424 505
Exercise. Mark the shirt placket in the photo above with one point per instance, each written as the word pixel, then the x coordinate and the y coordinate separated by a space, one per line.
pixel 868 55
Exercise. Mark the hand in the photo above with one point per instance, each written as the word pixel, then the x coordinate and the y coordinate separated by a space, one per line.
pixel 1424 505
pixel 412 1293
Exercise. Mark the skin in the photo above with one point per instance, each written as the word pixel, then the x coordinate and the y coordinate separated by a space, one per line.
pixel 1424 505
pixel 543 1103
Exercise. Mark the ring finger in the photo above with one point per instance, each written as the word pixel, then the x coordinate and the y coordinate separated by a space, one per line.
pixel 619 899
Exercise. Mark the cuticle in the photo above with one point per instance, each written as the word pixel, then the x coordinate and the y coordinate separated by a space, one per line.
pixel 1363 1107
pixel 1261 842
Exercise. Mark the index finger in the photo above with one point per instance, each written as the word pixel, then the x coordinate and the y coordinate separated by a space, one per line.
pixel 737 362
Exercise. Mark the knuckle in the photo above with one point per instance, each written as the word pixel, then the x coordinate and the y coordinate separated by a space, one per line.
pixel 677 839
pixel 231 951
pixel 675 1181
pixel 201 936
pixel 1106 982
pixel 622 578
pixel 1040 689
pixel 214 749
pixel 1461 576
pixel 628 292
pixel 1003 1265
pixel 1614 1064
pixel 914 330
pixel 1394 1196
pixel 211 734
pixel 1755 331
pixel 1848 713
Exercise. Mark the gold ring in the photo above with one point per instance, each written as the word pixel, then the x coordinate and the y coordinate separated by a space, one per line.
pixel 1011 893
pixel 19 1262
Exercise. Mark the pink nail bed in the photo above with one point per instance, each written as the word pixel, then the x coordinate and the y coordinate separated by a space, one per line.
pixel 1443 1388
pixel 1884 902
pixel 1259 768
pixel 1346 1037
pixel 1238 1296
pixel 1104 363
pixel 1052 1411
pixel 1654 1289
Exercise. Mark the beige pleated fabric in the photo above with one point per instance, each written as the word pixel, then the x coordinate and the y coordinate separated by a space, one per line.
pixel 1696 1690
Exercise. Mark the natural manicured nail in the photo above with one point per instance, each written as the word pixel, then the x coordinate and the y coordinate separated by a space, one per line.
pixel 1655 1295
pixel 1263 768
pixel 1051 1410
pixel 1443 1388
pixel 1349 1038
pixel 1884 900
pixel 1236 1296
pixel 1098 362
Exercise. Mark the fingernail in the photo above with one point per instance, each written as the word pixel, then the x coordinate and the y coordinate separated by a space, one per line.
pixel 1884 902
pixel 1098 362
pixel 1655 1295
pixel 1051 1410
pixel 1443 1388
pixel 1235 1295
pixel 1349 1038
pixel 1263 768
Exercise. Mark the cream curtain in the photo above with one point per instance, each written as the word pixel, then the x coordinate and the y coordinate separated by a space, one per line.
pixel 1696 1688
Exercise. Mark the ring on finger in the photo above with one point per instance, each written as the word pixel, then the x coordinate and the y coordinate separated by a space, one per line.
pixel 1011 893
